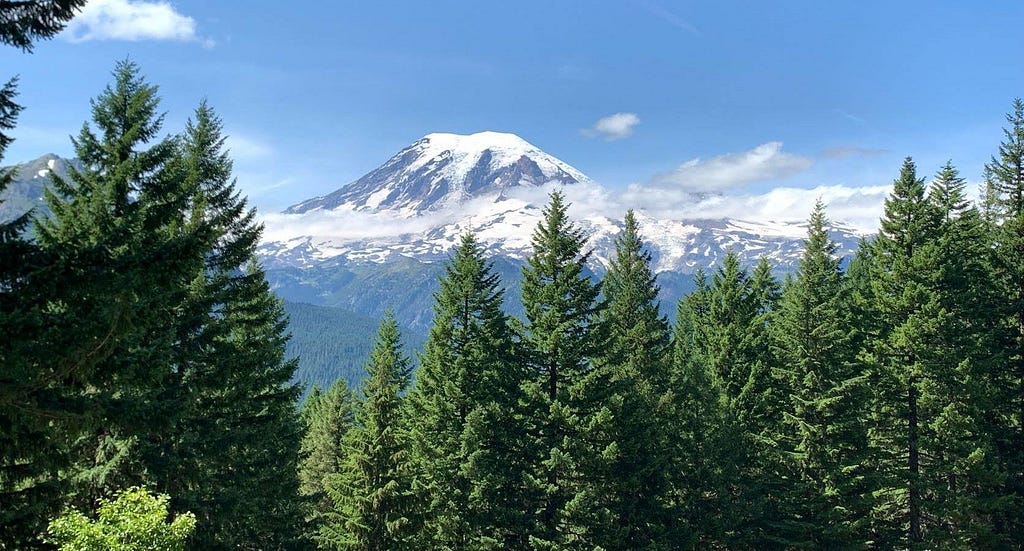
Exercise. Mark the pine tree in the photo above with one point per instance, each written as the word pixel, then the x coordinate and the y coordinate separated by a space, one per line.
pixel 328 416
pixel 118 253
pixel 731 342
pixel 27 21
pixel 223 458
pixel 825 441
pixel 467 387
pixel 633 482
pixel 1006 177
pixel 374 506
pixel 563 336
pixel 963 473
pixel 900 292
pixel 707 442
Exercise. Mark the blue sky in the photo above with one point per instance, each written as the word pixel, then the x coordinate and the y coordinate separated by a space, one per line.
pixel 750 95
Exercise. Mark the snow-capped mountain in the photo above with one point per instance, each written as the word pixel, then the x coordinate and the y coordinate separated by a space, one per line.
pixel 421 201
pixel 443 170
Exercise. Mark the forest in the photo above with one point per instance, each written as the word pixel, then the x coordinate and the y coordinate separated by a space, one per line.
pixel 147 400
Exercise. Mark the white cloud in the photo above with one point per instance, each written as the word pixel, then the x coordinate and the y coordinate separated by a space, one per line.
pixel 731 170
pixel 132 20
pixel 246 148
pixel 613 127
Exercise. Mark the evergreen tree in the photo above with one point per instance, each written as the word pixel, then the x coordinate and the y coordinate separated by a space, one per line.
pixel 825 441
pixel 963 474
pixel 1006 178
pixel 328 416
pixel 708 449
pixel 564 336
pixel 467 388
pixel 633 483
pixel 230 330
pixel 117 253
pixel 27 21
pixel 731 344
pixel 374 506
pixel 900 293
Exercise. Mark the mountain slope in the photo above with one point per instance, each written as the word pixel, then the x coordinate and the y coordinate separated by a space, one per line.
pixel 441 170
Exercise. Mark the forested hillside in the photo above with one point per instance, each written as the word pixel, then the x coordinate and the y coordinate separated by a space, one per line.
pixel 331 344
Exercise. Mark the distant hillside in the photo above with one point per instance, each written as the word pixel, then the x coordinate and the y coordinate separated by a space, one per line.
pixel 332 343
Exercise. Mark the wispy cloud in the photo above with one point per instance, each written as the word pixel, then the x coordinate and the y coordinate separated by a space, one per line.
pixel 613 127
pixel 132 20
pixel 851 117
pixel 247 148
pixel 669 17
pixel 846 151
pixel 731 170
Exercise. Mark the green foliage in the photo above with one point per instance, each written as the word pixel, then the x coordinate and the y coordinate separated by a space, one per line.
pixel 824 440
pixel 134 521
pixel 1005 178
pixel 630 436
pixel 25 22
pixel 328 417
pixel 563 336
pixel 374 506
pixel 467 387
pixel 332 343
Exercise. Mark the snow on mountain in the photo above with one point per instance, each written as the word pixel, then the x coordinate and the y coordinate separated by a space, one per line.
pixel 419 203
pixel 442 170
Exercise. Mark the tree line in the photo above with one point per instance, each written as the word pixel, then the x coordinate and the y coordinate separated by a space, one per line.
pixel 875 404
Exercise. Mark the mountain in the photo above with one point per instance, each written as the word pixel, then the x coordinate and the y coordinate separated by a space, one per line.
pixel 443 170
pixel 30 179
pixel 381 241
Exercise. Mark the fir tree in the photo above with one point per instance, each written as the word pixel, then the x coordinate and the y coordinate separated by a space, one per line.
pixel 900 292
pixel 1006 178
pixel 227 307
pixel 563 335
pixel 633 482
pixel 963 475
pixel 328 416
pixel 374 506
pixel 467 387
pixel 117 225
pixel 825 441
pixel 705 462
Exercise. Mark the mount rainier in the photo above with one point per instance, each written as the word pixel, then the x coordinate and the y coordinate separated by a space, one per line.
pixel 418 203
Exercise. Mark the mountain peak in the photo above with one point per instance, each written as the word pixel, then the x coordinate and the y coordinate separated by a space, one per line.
pixel 441 170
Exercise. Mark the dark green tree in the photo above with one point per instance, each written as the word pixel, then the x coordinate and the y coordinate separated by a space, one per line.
pixel 825 441
pixel 118 262
pixel 230 391
pixel 896 373
pixel 374 505
pixel 563 336
pixel 1005 174
pixel 633 481
pixel 467 388
pixel 707 440
pixel 328 418
pixel 27 21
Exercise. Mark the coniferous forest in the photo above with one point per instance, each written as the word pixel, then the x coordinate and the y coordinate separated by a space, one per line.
pixel 146 400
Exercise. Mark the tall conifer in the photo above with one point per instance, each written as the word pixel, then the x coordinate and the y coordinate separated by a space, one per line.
pixel 467 390
pixel 825 442
pixel 564 336
pixel 374 505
